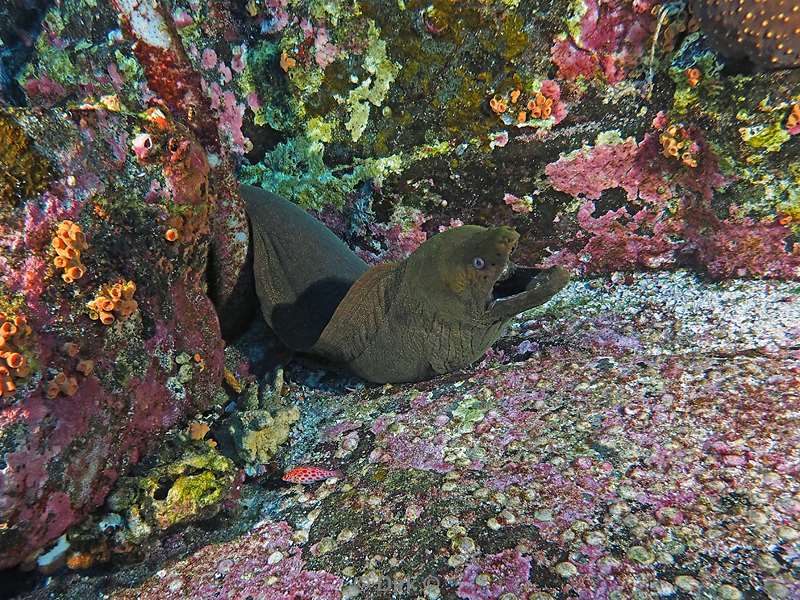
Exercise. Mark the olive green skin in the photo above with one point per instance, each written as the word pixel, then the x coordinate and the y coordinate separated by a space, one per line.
pixel 429 314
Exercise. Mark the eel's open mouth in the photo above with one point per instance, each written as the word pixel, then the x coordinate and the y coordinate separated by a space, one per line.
pixel 512 281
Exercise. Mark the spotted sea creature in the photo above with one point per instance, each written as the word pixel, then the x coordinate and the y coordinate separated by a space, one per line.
pixel 309 474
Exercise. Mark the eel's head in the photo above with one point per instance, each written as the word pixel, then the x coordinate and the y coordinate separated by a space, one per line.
pixel 468 272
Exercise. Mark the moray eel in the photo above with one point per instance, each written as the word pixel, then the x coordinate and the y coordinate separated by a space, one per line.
pixel 436 311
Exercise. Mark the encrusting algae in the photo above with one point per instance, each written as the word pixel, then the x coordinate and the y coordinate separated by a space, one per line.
pixel 113 301
pixel 23 171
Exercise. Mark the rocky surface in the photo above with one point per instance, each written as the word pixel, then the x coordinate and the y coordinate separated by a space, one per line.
pixel 635 437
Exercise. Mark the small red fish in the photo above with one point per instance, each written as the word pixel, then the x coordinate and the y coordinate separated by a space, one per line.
pixel 309 474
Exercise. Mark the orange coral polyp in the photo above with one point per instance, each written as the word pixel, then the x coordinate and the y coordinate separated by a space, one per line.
pixel 8 329
pixel 68 244
pixel 86 367
pixel 15 360
pixel 111 300
pixel 171 235
pixel 70 387
pixel 794 117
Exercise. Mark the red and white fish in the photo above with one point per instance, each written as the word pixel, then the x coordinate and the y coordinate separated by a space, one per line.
pixel 309 474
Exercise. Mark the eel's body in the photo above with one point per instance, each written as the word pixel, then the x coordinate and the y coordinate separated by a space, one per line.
pixel 434 312
pixel 302 270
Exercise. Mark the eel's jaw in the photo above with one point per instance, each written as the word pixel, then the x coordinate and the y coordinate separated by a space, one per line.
pixel 521 288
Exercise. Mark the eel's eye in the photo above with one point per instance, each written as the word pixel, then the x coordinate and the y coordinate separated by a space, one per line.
pixel 478 263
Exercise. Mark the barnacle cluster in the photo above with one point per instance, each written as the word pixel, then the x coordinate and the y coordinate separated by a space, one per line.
pixel 13 365
pixel 676 143
pixel 113 301
pixel 23 171
pixel 68 243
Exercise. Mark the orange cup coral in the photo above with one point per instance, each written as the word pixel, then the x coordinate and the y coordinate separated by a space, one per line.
pixel 676 143
pixel 13 364
pixel 794 117
pixel 541 106
pixel 113 301
pixel 61 384
pixel 68 243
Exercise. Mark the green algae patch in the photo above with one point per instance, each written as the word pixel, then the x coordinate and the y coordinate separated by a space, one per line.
pixel 373 90
pixel 770 137
pixel 185 490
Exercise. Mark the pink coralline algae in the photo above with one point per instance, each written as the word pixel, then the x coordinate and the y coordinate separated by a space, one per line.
pixel 326 52
pixel 209 60
pixel 612 39
pixel 400 240
pixel 405 452
pixel 44 90
pixel 620 240
pixel 264 564
pixel 626 165
pixel 654 235
pixel 518 205
pixel 741 247
pixel 230 123
pixel 495 575
pixel 552 90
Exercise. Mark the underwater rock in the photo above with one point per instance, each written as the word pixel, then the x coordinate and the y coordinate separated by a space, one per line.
pixel 96 394
pixel 644 447
pixel 765 33
pixel 191 488
pixel 393 121
pixel 260 428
